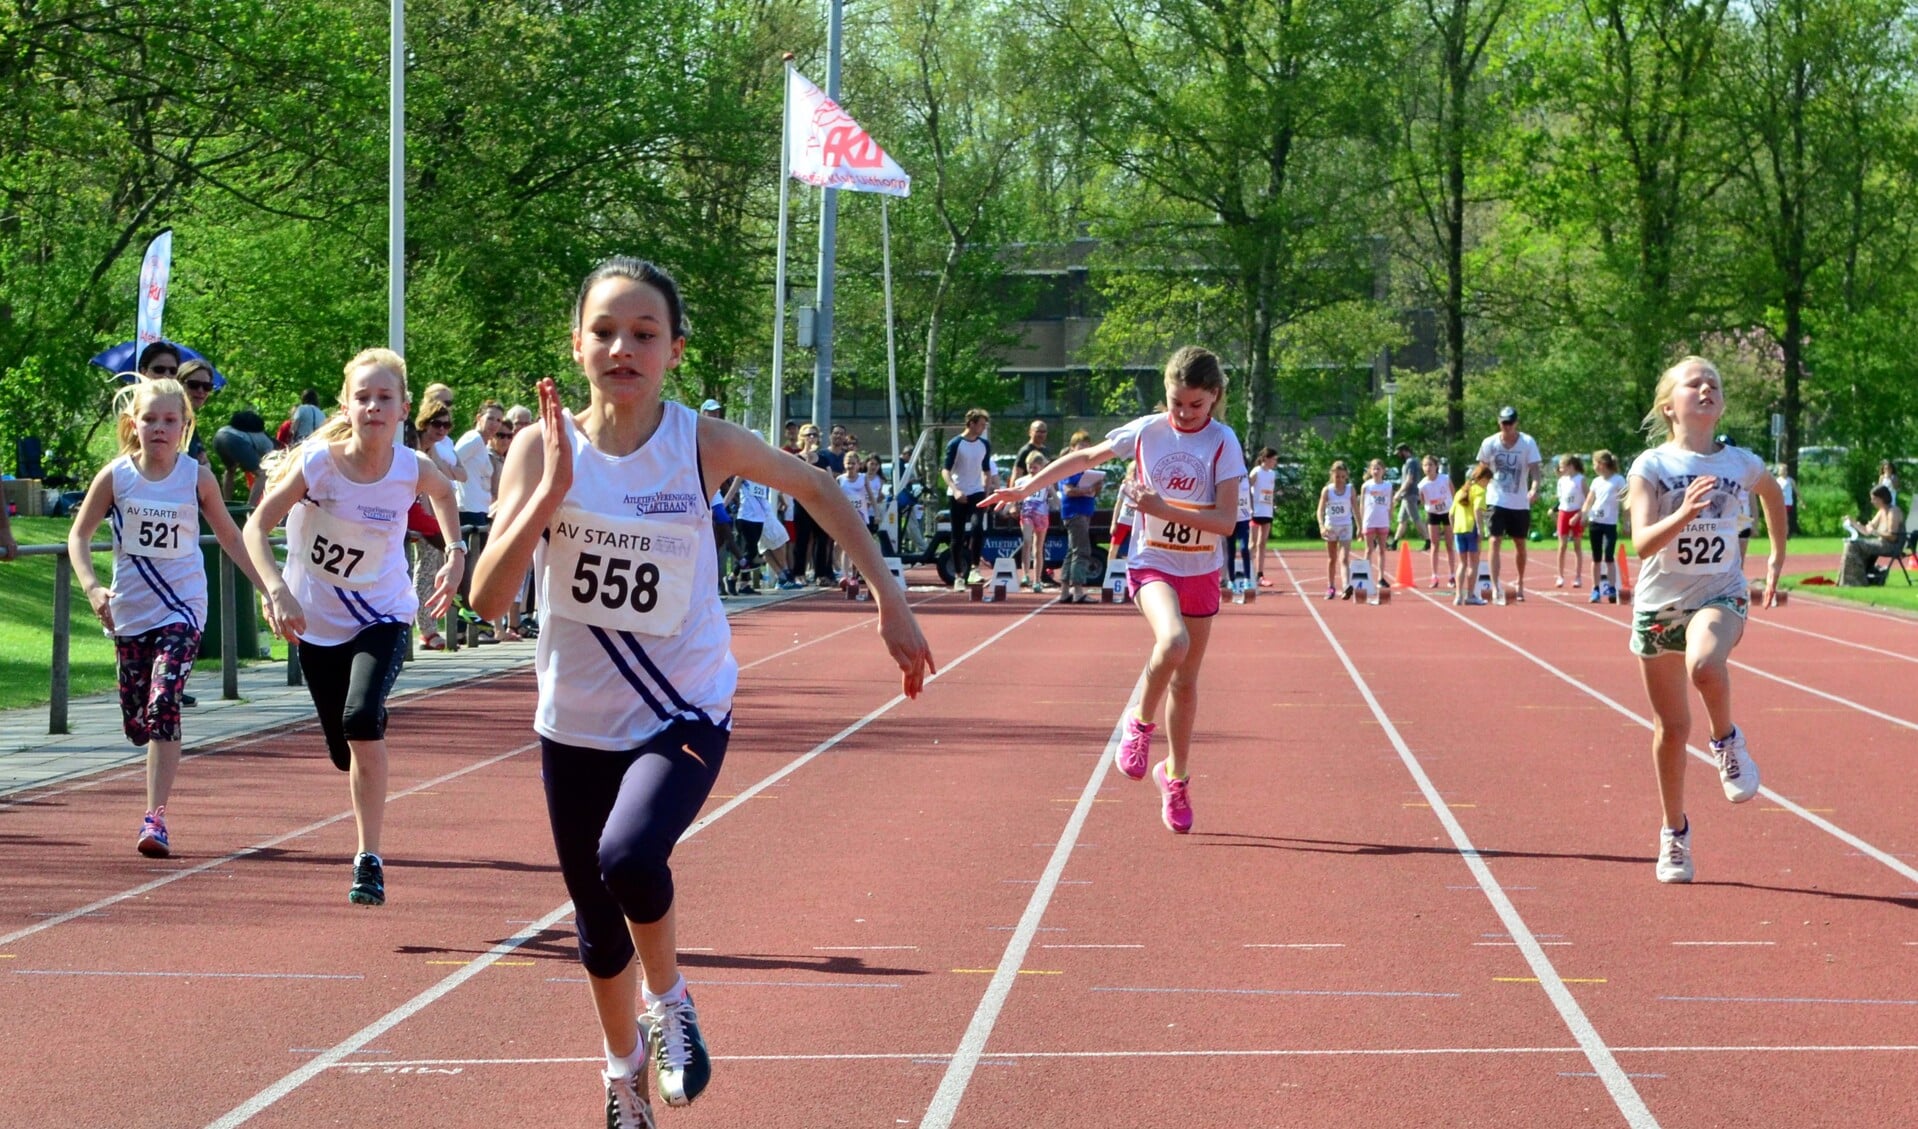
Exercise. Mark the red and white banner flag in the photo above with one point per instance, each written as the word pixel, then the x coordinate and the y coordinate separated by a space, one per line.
pixel 827 149
pixel 156 270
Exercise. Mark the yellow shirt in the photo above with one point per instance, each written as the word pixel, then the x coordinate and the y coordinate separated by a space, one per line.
pixel 1467 504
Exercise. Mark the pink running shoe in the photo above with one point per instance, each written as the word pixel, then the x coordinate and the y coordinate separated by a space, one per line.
pixel 153 840
pixel 1135 748
pixel 1175 806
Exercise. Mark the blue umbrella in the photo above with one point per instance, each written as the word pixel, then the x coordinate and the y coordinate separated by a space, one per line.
pixel 122 357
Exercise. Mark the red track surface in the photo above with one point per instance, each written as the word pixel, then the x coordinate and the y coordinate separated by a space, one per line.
pixel 1317 952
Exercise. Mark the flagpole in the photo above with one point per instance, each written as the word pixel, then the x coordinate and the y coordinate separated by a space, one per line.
pixel 776 431
pixel 892 374
pixel 396 187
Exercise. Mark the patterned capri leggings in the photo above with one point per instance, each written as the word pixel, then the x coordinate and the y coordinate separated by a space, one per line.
pixel 153 672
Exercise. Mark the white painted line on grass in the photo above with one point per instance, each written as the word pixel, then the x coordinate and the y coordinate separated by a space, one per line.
pixel 1610 1073
pixel 210 864
pixel 952 1087
pixel 1799 810
pixel 270 1096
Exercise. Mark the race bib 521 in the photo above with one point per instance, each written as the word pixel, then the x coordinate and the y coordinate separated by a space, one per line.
pixel 624 573
pixel 162 530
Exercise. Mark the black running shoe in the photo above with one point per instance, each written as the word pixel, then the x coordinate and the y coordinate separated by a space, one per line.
pixel 680 1061
pixel 625 1108
pixel 188 701
pixel 369 881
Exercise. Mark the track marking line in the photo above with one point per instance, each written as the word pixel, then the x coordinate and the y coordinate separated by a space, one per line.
pixel 1296 945
pixel 1382 994
pixel 1837 639
pixel 272 1094
pixel 864 621
pixel 267 845
pixel 192 975
pixel 1793 683
pixel 753 983
pixel 1780 1000
pixel 1623 1093
pixel 1092 946
pixel 1510 944
pixel 847 948
pixel 1562 980
pixel 972 1045
pixel 1802 812
pixel 1298 1052
pixel 1681 943
pixel 1020 972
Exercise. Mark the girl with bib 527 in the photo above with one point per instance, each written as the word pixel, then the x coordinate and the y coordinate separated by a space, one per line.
pixel 635 666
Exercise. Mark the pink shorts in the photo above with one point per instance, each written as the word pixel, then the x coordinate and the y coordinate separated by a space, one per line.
pixel 1198 595
pixel 1569 524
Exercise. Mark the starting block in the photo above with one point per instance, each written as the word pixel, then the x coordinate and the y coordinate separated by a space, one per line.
pixel 1114 591
pixel 1483 588
pixel 855 587
pixel 1360 578
pixel 1242 590
pixel 1004 570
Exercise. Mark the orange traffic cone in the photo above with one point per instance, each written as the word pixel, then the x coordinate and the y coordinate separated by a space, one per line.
pixel 1404 579
pixel 1624 580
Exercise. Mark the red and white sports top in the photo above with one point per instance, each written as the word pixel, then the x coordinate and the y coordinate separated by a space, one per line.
pixel 1185 467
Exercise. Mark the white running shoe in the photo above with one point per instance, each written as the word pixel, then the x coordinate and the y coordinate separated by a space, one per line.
pixel 1737 771
pixel 1675 854
pixel 681 1063
pixel 625 1109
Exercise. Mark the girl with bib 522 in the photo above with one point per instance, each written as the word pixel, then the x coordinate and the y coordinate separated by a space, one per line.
pixel 635 665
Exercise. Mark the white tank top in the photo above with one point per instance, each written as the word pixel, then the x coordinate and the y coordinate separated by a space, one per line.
pixel 1261 482
pixel 632 633
pixel 346 546
pixel 158 576
pixel 1185 468
pixel 1338 508
pixel 1377 499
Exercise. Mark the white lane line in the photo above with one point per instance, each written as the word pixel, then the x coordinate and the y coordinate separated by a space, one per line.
pixel 1782 680
pixel 1306 1052
pixel 210 864
pixel 1298 945
pixel 864 621
pixel 952 1087
pixel 270 1096
pixel 1766 621
pixel 1732 943
pixel 192 975
pixel 1092 946
pixel 1799 810
pixel 854 948
pixel 1623 1093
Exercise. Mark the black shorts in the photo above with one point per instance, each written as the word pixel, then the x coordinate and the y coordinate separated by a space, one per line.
pixel 1438 519
pixel 1511 523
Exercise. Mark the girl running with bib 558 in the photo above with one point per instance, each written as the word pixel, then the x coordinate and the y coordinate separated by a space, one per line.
pixel 1688 610
pixel 635 665
pixel 156 608
pixel 1188 469
pixel 346 600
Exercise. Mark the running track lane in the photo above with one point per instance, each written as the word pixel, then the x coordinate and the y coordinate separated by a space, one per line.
pixel 462 854
pixel 1780 944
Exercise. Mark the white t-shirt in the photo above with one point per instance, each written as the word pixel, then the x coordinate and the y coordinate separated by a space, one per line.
pixel 1376 500
pixel 307 418
pixel 1436 493
pixel 1262 480
pixel 1571 492
pixel 970 461
pixel 1607 492
pixel 1790 488
pixel 1511 471
pixel 1701 563
pixel 1186 468
pixel 476 493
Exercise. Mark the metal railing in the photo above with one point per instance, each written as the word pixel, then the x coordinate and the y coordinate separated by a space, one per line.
pixel 60 669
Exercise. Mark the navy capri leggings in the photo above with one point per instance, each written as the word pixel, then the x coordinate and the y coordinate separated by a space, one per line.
pixel 349 682
pixel 616 817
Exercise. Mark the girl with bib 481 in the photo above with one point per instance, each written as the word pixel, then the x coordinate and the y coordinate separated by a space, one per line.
pixel 1688 610
pixel 635 666
pixel 1188 469
pixel 156 608
pixel 346 599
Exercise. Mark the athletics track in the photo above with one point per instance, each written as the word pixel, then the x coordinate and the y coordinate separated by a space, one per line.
pixel 1419 893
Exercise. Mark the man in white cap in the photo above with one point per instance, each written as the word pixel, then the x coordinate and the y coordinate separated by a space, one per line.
pixel 712 408
pixel 1515 461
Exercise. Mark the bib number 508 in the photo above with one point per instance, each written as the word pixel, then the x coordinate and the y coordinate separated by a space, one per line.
pixel 604 579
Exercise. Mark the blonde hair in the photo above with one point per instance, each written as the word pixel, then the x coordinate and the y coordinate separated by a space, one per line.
pixel 1331 473
pixel 1656 424
pixel 337 426
pixel 1603 458
pixel 130 401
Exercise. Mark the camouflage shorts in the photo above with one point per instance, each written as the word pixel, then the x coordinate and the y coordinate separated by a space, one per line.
pixel 1661 632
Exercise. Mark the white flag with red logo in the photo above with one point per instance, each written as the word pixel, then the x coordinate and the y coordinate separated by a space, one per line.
pixel 156 270
pixel 827 149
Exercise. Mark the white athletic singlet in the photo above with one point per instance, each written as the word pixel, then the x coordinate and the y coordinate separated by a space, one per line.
pixel 1262 482
pixel 1376 499
pixel 632 635
pixel 1185 467
pixel 158 577
pixel 854 488
pixel 1338 513
pixel 346 546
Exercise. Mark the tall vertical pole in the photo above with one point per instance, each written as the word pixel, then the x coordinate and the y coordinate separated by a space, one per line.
pixel 828 234
pixel 892 373
pixel 396 189
pixel 776 430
